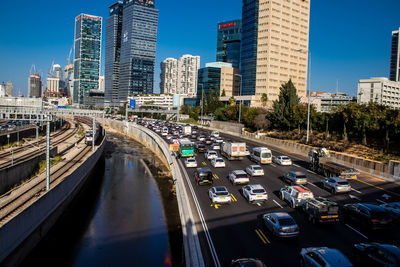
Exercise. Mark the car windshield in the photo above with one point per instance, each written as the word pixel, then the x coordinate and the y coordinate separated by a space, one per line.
pixel 258 191
pixel 265 155
pixel 286 222
pixel 343 183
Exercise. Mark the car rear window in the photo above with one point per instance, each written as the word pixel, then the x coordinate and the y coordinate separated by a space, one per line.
pixel 286 221
pixel 258 191
pixel 257 168
pixel 285 158
pixel 378 215
pixel 343 183
pixel 301 176
pixel 221 193
pixel 206 175
pixel 219 160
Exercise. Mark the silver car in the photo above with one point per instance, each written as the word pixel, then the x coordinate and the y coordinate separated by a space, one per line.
pixel 219 194
pixel 297 178
pixel 336 185
pixel 323 256
pixel 281 224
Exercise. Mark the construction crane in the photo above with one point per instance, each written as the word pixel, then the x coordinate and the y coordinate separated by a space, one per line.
pixel 50 73
pixel 69 56
pixel 34 69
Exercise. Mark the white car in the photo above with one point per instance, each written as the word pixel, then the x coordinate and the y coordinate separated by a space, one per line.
pixel 254 193
pixel 238 177
pixel 191 163
pixel 283 160
pixel 219 194
pixel 215 134
pixel 169 137
pixel 218 163
pixel 255 170
pixel 211 154
pixel 215 146
pixel 218 140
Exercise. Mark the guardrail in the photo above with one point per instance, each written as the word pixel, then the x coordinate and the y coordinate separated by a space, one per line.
pixel 193 254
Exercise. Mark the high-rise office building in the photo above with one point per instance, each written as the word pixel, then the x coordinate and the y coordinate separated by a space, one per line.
pixel 228 42
pixel 113 54
pixel 169 76
pixel 9 89
pixel 2 89
pixel 35 85
pixel 135 52
pixel 395 57
pixel 58 72
pixel 274 47
pixel 179 76
pixel 87 55
pixel 69 79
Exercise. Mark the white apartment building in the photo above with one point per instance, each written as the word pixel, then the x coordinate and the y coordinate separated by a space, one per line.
pixel 163 100
pixel 379 90
pixel 327 102
pixel 179 76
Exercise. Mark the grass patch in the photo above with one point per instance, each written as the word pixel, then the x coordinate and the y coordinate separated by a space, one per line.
pixel 42 164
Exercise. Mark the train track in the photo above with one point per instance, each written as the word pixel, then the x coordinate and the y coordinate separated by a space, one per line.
pixel 24 195
pixel 38 142
pixel 34 154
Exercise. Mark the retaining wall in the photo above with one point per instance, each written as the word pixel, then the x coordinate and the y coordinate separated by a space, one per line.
pixel 227 126
pixel 22 171
pixel 22 233
pixel 193 254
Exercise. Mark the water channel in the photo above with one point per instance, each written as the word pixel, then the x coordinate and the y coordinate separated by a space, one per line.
pixel 118 220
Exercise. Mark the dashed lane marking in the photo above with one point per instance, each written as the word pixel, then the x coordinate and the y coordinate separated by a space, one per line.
pixel 258 204
pixel 378 187
pixel 311 172
pixel 296 165
pixel 205 164
pixel 356 231
pixel 233 198
pixel 277 203
pixel 273 165
pixel 215 176
pixel 312 184
pixel 355 190
pixel 262 236
pixel 216 206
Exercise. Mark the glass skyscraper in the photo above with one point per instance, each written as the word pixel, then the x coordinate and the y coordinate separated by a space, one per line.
pixel 228 42
pixel 136 49
pixel 87 56
pixel 248 51
pixel 113 53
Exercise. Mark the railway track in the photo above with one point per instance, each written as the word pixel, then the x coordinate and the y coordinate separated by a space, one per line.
pixel 15 200
pixel 56 142
pixel 65 128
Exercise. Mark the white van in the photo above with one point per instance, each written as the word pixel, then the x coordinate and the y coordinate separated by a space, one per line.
pixel 262 155
pixel 215 134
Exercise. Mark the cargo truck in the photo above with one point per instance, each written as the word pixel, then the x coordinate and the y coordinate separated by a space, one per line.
pixel 187 130
pixel 321 210
pixel 233 150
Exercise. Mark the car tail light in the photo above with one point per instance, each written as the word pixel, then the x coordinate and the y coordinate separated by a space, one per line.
pixel 253 194
pixel 373 220
pixel 280 229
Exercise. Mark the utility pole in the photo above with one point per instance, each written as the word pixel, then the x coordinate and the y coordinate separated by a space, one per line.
pixel 93 133
pixel 48 154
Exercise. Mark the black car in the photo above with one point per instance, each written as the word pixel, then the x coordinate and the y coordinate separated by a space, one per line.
pixel 247 263
pixel 203 176
pixel 368 215
pixel 200 147
pixel 375 254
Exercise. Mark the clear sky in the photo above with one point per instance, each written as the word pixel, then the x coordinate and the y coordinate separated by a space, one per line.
pixel 349 39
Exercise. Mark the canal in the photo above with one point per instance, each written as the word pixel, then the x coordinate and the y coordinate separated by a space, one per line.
pixel 117 220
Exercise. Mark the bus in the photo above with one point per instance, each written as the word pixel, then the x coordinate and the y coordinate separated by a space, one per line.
pixel 186 148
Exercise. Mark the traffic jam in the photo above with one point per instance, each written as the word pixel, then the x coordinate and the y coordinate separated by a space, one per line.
pixel 318 212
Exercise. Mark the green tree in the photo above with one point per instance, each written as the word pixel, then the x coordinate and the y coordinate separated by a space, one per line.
pixel 264 99
pixel 223 92
pixel 232 101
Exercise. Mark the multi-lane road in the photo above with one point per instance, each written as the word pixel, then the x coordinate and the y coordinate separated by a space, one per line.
pixel 236 231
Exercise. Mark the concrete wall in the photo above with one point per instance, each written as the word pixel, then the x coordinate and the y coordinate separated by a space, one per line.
pixel 18 173
pixel 227 126
pixel 24 231
pixel 193 254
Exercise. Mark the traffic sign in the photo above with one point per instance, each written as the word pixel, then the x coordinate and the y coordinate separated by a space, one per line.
pixel 132 103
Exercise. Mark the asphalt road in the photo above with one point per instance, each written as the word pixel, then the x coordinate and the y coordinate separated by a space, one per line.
pixel 236 230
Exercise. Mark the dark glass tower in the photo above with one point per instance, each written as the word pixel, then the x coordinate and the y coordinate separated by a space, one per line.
pixel 138 48
pixel 113 53
pixel 248 51
pixel 395 57
pixel 228 42
pixel 87 56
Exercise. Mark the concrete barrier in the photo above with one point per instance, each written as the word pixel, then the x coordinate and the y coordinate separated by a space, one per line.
pixel 191 244
pixel 227 126
pixel 22 233
pixel 16 174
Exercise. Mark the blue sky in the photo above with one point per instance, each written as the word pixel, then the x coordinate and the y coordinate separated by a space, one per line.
pixel 349 39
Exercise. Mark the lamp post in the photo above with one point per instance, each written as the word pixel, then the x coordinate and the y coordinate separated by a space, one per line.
pixel 240 94
pixel 309 90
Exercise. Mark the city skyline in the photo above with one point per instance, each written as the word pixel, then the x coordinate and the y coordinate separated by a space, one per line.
pixel 347 53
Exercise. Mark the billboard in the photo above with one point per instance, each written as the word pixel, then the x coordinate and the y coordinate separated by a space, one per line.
pixel 177 100
pixel 132 103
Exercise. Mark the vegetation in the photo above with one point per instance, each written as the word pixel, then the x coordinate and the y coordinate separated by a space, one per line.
pixel 42 164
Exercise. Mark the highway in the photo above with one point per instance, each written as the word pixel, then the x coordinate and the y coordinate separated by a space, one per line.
pixel 235 231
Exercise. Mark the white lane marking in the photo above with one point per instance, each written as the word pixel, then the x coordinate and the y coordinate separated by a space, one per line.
pixel 311 171
pixel 296 165
pixel 386 196
pixel 259 204
pixel 277 203
pixel 356 231
pixel 273 165
pixel 381 201
pixel 352 189
pixel 312 184
pixel 351 196
pixel 203 221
